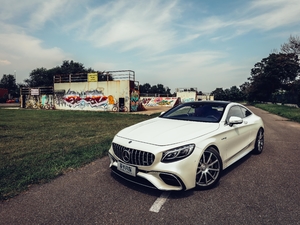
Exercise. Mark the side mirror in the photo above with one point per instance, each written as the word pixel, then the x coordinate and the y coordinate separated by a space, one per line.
pixel 235 120
pixel 162 113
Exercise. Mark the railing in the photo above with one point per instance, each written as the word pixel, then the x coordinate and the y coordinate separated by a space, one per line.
pixel 36 91
pixel 101 76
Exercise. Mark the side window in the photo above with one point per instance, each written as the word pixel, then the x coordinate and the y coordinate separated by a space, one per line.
pixel 235 111
pixel 245 112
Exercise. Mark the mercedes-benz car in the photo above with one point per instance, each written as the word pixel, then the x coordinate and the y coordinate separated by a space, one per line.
pixel 188 146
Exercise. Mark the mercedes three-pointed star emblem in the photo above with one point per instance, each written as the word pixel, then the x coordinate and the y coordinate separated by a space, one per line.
pixel 126 156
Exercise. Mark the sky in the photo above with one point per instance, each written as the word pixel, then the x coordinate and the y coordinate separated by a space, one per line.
pixel 203 44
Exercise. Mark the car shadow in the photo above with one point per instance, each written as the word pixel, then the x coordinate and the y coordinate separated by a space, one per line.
pixel 136 187
pixel 178 194
pixel 235 165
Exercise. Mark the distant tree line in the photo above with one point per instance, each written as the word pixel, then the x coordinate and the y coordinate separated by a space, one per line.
pixel 274 79
pixel 159 89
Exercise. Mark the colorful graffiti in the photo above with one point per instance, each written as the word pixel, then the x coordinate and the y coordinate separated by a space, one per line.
pixel 38 102
pixel 86 100
pixel 183 100
pixel 134 100
pixel 89 98
pixel 158 101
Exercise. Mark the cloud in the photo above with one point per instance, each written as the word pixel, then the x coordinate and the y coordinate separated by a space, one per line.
pixel 46 11
pixel 33 14
pixel 129 25
pixel 268 15
pixel 255 15
pixel 20 49
pixel 5 62
pixel 158 26
pixel 25 53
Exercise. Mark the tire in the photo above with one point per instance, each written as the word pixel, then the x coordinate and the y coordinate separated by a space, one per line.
pixel 209 169
pixel 259 142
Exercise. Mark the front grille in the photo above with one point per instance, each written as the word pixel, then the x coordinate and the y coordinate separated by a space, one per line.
pixel 133 156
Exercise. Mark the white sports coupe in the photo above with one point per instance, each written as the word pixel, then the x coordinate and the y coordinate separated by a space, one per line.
pixel 188 146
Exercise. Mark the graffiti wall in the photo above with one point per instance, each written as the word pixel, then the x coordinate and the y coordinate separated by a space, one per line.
pixel 38 101
pixel 159 101
pixel 99 96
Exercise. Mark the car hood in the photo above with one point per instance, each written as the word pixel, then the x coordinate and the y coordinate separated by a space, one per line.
pixel 160 131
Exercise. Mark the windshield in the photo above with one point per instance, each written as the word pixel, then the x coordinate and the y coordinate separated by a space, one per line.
pixel 197 111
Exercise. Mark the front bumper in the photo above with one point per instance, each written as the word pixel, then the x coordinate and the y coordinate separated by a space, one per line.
pixel 175 176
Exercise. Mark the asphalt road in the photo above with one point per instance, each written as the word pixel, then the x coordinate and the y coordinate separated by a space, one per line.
pixel 259 189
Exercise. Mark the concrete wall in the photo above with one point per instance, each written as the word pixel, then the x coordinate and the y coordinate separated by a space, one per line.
pixel 187 96
pixel 98 96
pixel 205 98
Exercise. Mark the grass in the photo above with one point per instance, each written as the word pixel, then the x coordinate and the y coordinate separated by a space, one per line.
pixel 36 146
pixel 288 112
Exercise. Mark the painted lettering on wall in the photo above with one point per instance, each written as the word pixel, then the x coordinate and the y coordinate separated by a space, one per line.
pixel 86 100
pixel 158 101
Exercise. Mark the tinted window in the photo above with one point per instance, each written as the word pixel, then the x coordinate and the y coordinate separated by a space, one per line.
pixel 196 111
pixel 245 112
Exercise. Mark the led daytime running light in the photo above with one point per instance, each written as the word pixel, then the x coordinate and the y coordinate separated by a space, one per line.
pixel 177 153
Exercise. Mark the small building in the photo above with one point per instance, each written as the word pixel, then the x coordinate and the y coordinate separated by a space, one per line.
pixel 99 91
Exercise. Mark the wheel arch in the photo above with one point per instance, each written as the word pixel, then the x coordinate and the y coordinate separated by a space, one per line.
pixel 213 146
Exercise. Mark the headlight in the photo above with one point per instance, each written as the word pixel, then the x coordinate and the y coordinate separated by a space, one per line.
pixel 177 153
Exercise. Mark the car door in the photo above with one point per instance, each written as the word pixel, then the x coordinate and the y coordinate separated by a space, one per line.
pixel 237 135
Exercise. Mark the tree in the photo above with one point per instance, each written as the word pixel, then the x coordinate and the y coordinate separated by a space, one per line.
pixel 39 77
pixel 293 46
pixel 155 89
pixel 219 94
pixel 71 67
pixel 245 87
pixel 145 88
pixel 168 91
pixel 227 95
pixel 42 77
pixel 271 74
pixel 199 93
pixel 295 92
pixel 161 89
pixel 235 94
pixel 9 82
